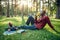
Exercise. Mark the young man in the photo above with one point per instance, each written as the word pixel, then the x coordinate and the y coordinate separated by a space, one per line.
pixel 11 27
pixel 39 24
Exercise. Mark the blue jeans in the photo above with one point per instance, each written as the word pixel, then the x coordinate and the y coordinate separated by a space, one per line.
pixel 28 27
pixel 11 29
pixel 30 20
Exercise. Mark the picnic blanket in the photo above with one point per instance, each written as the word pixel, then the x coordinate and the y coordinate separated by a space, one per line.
pixel 13 32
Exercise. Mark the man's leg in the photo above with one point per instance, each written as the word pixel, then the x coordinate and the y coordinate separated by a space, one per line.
pixel 30 20
pixel 28 27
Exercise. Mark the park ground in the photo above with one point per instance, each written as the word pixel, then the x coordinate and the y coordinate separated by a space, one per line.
pixel 44 34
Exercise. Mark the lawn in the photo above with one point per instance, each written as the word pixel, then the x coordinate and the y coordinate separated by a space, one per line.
pixel 44 34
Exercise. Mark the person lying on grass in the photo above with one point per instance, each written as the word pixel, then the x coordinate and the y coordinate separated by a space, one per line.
pixel 40 23
pixel 11 27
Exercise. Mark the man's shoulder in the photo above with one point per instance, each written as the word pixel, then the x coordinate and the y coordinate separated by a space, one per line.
pixel 46 16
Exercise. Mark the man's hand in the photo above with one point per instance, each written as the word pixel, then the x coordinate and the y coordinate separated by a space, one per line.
pixel 35 16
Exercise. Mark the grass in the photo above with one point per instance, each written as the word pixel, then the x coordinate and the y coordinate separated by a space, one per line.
pixel 44 34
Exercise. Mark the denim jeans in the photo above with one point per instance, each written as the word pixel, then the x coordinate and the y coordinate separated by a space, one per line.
pixel 11 29
pixel 28 27
pixel 30 20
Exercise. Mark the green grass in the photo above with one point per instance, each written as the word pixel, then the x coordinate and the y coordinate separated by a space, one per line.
pixel 44 34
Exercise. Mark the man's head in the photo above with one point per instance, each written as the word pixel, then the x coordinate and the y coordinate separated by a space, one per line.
pixel 10 24
pixel 43 13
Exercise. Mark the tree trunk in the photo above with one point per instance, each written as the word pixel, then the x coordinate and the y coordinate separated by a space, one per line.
pixel 36 6
pixel 58 9
pixel 12 9
pixel 15 12
pixel 8 9
pixel 0 8
pixel 58 12
pixel 22 12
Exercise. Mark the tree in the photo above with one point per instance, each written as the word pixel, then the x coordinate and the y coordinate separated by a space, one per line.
pixel 8 9
pixel 36 6
pixel 12 9
pixel 15 10
pixel 58 9
pixel 0 8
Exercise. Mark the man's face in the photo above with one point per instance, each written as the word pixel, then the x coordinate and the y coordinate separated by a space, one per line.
pixel 43 13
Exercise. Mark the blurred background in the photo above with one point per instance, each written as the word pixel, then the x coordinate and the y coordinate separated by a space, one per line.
pixel 10 8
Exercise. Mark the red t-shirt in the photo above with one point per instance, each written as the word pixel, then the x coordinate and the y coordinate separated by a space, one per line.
pixel 42 22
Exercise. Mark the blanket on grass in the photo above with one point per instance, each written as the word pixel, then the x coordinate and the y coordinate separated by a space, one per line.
pixel 13 32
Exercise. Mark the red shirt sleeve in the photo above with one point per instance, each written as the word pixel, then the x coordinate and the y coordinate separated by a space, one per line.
pixel 49 23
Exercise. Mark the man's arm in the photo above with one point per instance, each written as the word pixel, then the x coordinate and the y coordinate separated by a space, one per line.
pixel 49 23
pixel 37 21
